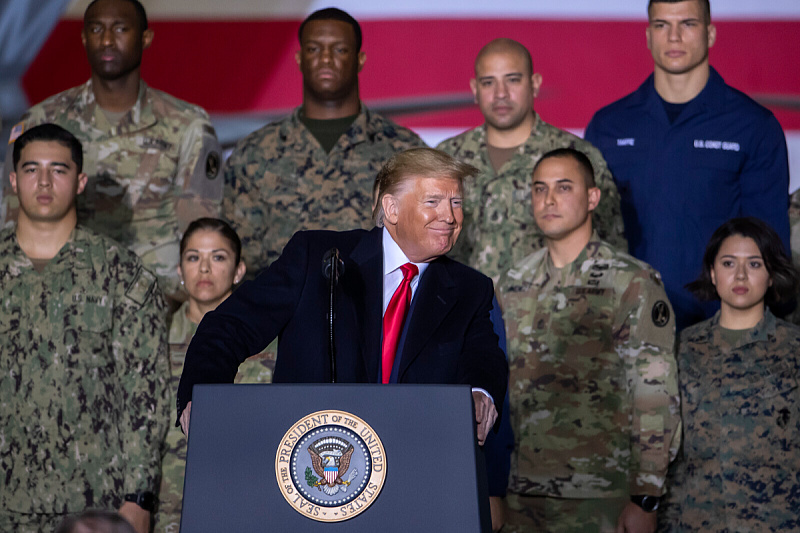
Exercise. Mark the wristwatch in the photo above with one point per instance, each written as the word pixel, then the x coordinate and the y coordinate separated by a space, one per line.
pixel 647 503
pixel 144 499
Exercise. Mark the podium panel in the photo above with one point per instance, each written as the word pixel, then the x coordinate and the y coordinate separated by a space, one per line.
pixel 430 465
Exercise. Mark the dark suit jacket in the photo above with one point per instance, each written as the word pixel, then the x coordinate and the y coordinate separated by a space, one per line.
pixel 449 335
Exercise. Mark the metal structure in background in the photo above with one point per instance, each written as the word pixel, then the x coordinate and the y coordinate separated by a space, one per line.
pixel 25 25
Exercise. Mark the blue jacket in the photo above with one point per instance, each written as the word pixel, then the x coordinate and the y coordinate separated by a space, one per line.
pixel 725 156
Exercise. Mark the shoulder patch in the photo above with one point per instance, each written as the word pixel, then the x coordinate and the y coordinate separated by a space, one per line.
pixel 212 164
pixel 660 313
pixel 16 131
pixel 144 282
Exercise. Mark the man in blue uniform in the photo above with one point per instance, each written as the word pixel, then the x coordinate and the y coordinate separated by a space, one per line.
pixel 689 152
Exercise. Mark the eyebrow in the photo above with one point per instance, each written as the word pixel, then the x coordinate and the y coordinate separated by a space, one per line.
pixel 747 256
pixel 37 163
pixel 215 250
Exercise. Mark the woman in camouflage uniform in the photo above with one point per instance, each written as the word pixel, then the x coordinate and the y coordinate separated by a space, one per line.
pixel 210 266
pixel 739 371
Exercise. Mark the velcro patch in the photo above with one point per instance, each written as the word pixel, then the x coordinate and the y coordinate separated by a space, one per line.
pixel 143 285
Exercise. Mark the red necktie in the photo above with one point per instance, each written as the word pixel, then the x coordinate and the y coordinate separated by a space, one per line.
pixel 394 317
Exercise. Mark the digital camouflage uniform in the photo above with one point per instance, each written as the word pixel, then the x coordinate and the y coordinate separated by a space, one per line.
pixel 279 180
pixel 84 398
pixel 740 466
pixel 593 382
pixel 149 176
pixel 794 226
pixel 499 228
pixel 256 369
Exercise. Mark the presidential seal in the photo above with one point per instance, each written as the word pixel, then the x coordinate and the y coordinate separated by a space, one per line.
pixel 330 466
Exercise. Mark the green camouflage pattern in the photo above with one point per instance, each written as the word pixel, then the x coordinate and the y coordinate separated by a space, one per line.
pixel 794 226
pixel 740 466
pixel 149 176
pixel 255 369
pixel 279 180
pixel 533 514
pixel 499 228
pixel 593 380
pixel 84 398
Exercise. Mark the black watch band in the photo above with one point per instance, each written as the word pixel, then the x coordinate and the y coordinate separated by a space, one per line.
pixel 144 499
pixel 647 503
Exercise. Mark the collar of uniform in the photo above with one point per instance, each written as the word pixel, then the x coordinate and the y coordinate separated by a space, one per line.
pixel 359 131
pixel 592 249
pixel 709 97
pixel 140 116
pixel 760 333
pixel 77 248
pixel 181 329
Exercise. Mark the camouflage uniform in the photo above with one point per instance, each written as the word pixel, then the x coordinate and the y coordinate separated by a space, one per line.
pixel 256 369
pixel 593 385
pixel 740 466
pixel 279 180
pixel 794 226
pixel 499 229
pixel 149 176
pixel 83 389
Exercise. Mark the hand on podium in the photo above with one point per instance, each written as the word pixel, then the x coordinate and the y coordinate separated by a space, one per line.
pixel 485 414
pixel 187 412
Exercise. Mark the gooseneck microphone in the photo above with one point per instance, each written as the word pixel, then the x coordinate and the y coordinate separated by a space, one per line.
pixel 332 268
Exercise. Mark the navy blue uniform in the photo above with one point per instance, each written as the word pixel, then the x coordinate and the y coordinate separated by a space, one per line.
pixel 724 156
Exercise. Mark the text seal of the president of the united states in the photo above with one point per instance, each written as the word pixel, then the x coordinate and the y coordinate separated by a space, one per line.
pixel 330 466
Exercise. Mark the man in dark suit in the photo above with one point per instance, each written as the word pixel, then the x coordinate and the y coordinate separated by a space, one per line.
pixel 447 338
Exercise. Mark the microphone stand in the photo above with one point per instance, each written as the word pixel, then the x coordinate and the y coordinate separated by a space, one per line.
pixel 332 268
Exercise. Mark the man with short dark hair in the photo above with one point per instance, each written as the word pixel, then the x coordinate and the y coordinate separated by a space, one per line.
pixel 499 228
pixel 593 384
pixel 689 152
pixel 153 160
pixel 315 168
pixel 83 354
pixel 406 312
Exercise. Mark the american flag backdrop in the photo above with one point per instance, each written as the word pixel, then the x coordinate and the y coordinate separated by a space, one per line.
pixel 236 58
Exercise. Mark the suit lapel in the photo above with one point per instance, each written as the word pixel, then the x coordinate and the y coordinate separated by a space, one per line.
pixel 368 256
pixel 435 297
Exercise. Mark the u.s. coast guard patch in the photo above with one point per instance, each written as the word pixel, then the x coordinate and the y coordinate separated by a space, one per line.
pixel 330 466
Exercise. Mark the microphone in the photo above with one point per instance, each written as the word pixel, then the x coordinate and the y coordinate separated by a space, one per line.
pixel 330 259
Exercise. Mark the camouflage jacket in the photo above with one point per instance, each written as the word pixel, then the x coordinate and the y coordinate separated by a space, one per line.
pixel 499 229
pixel 256 369
pixel 794 226
pixel 593 381
pixel 279 180
pixel 83 377
pixel 149 176
pixel 740 466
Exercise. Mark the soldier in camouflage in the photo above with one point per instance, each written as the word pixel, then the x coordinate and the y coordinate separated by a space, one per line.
pixel 83 354
pixel 499 228
pixel 153 160
pixel 739 469
pixel 210 266
pixel 314 169
pixel 593 381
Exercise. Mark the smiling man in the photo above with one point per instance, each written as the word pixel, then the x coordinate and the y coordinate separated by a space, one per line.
pixel 83 351
pixel 314 169
pixel 499 228
pixel 593 384
pixel 689 152
pixel 406 313
pixel 153 161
